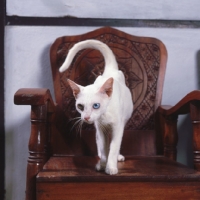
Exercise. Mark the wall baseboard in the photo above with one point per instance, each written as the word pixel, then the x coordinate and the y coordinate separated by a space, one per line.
pixel 73 21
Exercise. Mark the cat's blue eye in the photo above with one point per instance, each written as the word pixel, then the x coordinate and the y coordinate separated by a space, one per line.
pixel 96 105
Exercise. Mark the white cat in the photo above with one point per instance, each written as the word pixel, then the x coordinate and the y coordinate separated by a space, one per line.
pixel 107 103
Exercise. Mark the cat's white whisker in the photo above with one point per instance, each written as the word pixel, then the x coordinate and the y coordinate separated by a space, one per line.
pixel 78 127
pixel 74 119
pixel 76 123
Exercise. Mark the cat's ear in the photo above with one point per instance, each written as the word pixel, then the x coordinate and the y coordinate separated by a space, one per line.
pixel 75 87
pixel 107 87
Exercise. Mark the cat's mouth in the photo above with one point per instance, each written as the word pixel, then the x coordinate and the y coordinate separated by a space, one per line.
pixel 88 122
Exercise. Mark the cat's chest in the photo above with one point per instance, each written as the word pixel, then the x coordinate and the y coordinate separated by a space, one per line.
pixel 107 118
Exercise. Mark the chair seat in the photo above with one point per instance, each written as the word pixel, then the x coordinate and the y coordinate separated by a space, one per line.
pixel 82 168
pixel 62 173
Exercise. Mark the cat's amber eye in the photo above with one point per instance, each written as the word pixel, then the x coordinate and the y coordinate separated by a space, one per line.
pixel 80 107
pixel 96 105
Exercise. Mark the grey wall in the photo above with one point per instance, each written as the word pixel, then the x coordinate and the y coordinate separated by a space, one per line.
pixel 27 64
pixel 154 9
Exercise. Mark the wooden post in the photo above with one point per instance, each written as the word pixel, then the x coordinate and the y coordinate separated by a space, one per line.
pixel 195 116
pixel 37 148
pixel 170 137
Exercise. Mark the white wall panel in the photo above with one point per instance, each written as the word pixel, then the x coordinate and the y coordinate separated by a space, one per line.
pixel 27 65
pixel 145 9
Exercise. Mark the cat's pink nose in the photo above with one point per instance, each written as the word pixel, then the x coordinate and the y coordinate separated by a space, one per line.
pixel 86 118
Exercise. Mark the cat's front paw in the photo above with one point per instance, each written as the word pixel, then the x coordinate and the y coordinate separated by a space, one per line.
pixel 120 158
pixel 100 166
pixel 111 170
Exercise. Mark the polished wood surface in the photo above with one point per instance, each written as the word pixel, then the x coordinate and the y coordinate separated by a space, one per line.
pixel 139 177
pixel 135 168
pixel 61 160
pixel 119 191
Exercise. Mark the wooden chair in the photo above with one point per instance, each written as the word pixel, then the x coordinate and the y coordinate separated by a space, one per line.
pixel 62 161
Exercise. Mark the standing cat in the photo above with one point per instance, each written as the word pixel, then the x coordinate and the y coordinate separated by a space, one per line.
pixel 107 103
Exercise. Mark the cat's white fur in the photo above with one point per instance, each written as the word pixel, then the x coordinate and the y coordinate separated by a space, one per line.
pixel 116 106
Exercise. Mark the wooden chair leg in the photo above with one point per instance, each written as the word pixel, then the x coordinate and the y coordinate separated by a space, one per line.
pixel 37 150
pixel 195 116
pixel 170 137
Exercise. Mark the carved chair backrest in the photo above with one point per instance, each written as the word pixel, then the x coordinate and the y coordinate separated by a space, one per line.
pixel 143 62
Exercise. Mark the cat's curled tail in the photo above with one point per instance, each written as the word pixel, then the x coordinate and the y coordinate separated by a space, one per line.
pixel 110 61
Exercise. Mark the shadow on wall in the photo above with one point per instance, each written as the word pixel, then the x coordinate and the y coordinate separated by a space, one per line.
pixel 185 150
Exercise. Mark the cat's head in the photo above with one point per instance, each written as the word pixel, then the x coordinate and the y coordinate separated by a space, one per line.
pixel 92 100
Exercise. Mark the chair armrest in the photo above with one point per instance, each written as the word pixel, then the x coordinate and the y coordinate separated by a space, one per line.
pixel 189 104
pixel 182 107
pixel 43 111
pixel 34 97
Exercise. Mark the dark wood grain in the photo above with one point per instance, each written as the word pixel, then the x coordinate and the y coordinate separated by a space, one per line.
pixel 195 116
pixel 37 153
pixel 34 96
pixel 170 136
pixel 119 191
